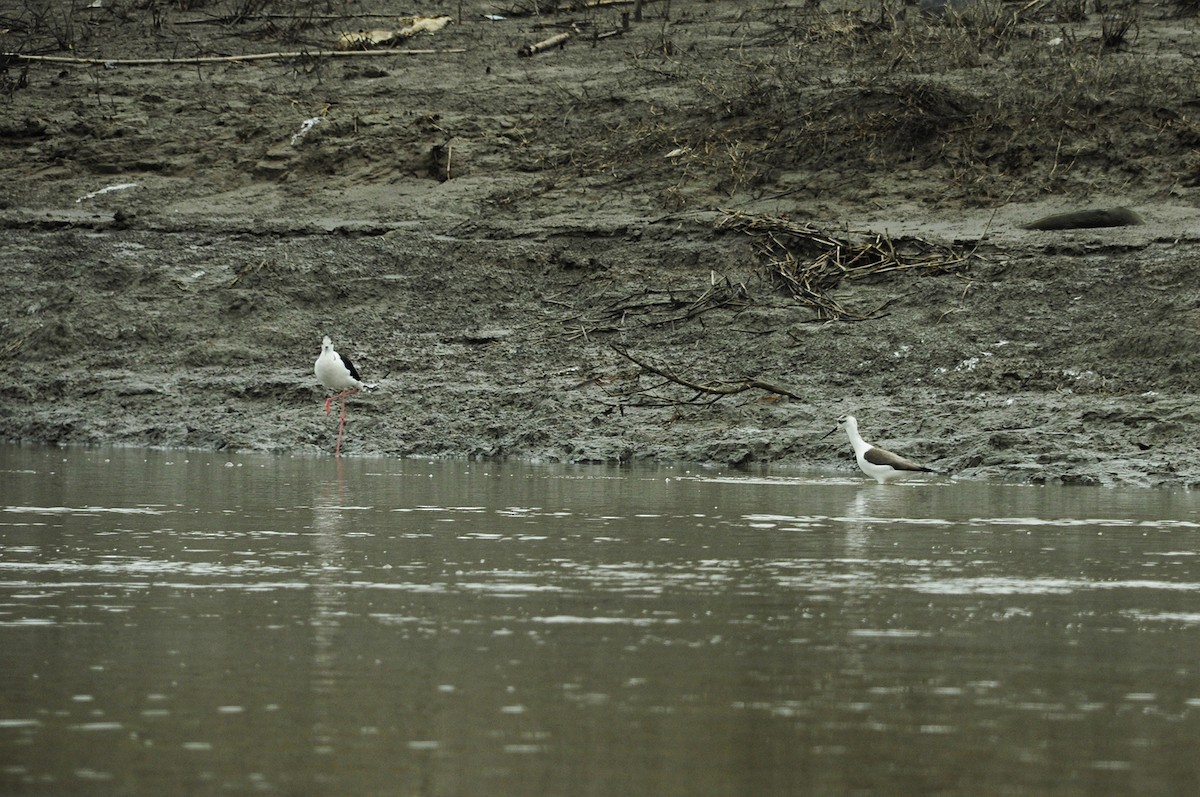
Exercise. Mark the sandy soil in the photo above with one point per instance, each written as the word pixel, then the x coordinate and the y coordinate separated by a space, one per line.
pixel 485 233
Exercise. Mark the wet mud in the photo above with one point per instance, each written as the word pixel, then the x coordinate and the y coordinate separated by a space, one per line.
pixel 504 243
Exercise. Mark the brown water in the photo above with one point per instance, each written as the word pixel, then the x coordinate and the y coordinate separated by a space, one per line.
pixel 190 623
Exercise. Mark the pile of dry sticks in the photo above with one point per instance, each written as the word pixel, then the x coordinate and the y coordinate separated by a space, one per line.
pixel 810 262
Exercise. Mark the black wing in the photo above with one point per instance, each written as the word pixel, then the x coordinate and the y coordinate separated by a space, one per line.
pixel 350 366
pixel 881 456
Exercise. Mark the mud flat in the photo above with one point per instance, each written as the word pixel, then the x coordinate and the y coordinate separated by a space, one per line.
pixel 489 236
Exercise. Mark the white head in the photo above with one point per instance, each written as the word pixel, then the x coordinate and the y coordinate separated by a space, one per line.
pixel 846 422
pixel 326 344
pixel 849 424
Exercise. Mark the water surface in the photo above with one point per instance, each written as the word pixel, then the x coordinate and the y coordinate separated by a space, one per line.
pixel 193 623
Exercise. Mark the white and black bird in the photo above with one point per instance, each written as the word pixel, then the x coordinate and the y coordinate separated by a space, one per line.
pixel 878 463
pixel 336 372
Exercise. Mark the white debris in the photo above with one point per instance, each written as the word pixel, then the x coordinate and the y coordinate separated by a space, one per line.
pixel 107 190
pixel 308 124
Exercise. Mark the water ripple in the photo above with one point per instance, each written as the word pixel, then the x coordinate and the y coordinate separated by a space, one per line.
pixel 84 510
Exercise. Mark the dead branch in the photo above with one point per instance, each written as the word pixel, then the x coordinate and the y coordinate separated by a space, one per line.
pixel 535 7
pixel 716 390
pixel 557 40
pixel 222 59
pixel 366 39
pixel 265 16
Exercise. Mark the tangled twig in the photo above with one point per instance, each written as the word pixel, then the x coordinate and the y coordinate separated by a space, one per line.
pixel 810 262
pixel 684 305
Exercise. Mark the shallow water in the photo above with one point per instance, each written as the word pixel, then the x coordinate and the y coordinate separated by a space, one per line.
pixel 184 622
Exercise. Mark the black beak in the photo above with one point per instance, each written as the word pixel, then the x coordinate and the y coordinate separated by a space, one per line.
pixel 831 431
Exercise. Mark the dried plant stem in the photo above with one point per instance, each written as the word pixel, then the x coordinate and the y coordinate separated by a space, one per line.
pixel 220 59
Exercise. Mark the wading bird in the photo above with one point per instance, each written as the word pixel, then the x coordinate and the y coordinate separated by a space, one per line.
pixel 878 463
pixel 336 372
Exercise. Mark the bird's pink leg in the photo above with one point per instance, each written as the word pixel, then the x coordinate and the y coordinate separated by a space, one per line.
pixel 341 426
pixel 342 422
pixel 329 401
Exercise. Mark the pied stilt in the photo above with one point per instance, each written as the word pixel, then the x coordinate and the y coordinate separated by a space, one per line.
pixel 878 463
pixel 336 372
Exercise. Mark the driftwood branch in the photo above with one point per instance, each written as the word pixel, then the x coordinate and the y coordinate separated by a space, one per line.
pixel 221 59
pixel 715 390
pixel 557 40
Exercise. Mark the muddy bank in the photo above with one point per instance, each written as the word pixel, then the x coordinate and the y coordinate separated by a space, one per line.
pixel 184 339
pixel 482 233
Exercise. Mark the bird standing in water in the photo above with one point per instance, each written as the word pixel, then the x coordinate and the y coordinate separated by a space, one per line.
pixel 336 372
pixel 878 463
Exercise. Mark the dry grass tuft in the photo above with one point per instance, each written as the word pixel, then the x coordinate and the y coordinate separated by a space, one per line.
pixel 987 105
